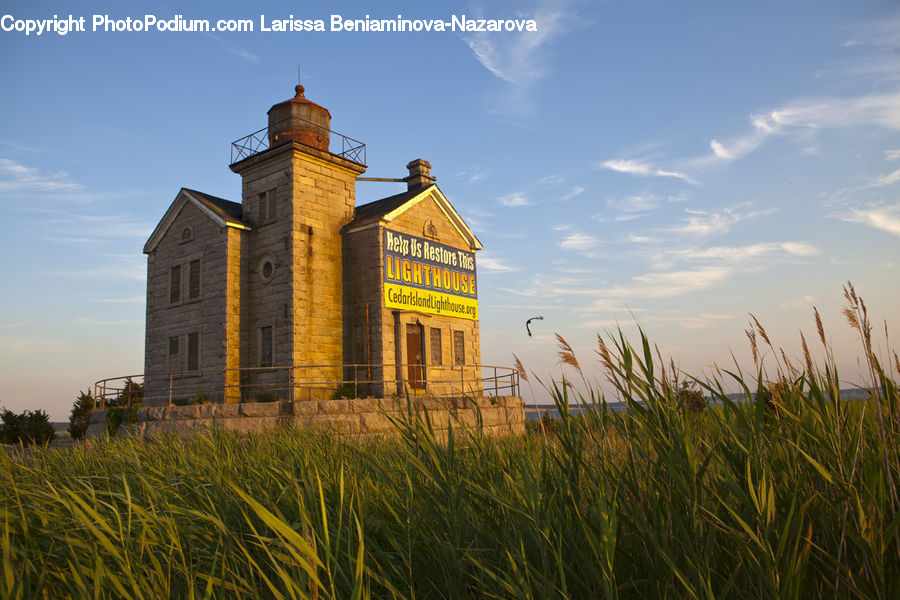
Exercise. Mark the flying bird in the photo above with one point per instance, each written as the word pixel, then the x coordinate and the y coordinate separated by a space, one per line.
pixel 528 322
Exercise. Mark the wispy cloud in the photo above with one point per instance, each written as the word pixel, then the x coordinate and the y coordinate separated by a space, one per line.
pixel 705 223
pixel 888 179
pixel 16 178
pixel 633 206
pixel 496 265
pixel 798 302
pixel 672 283
pixel 520 59
pixel 129 300
pixel 28 345
pixel 809 116
pixel 702 321
pixel 514 199
pixel 645 169
pixel 735 254
pixel 885 218
pixel 575 191
pixel 247 56
pixel 579 241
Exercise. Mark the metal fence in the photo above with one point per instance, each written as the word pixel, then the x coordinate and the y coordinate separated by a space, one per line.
pixel 258 141
pixel 312 382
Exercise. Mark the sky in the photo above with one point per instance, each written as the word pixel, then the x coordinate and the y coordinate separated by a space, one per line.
pixel 673 165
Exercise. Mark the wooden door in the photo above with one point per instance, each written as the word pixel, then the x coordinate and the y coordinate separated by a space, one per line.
pixel 414 357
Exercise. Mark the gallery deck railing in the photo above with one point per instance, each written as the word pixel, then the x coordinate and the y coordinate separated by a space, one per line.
pixel 311 382
pixel 258 141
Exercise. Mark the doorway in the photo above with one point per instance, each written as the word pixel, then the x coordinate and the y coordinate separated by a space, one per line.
pixel 416 372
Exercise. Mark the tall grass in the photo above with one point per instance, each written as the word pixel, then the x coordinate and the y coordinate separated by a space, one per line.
pixel 789 493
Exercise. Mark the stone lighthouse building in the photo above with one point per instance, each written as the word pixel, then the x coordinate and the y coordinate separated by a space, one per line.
pixel 295 292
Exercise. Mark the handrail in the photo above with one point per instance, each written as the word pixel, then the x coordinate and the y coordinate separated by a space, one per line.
pixel 258 141
pixel 348 380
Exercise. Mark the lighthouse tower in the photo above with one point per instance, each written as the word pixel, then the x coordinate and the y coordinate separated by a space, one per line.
pixel 297 195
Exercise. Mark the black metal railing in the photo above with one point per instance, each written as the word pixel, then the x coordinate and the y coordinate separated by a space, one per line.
pixel 258 141
pixel 312 382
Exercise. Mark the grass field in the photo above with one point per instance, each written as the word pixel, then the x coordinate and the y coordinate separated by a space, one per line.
pixel 791 493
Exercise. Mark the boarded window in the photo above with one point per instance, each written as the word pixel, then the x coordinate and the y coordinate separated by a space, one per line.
pixel 436 355
pixel 175 284
pixel 194 279
pixel 265 346
pixel 459 348
pixel 267 207
pixel 193 352
pixel 173 355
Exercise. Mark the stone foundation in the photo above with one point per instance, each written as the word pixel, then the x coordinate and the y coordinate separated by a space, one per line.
pixel 355 417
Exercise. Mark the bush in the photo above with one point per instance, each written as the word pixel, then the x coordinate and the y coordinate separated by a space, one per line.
pixel 689 398
pixel 80 417
pixel 31 427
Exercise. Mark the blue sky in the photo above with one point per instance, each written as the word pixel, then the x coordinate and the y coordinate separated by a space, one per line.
pixel 683 164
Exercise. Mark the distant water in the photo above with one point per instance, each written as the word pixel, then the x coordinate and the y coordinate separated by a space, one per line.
pixel 534 411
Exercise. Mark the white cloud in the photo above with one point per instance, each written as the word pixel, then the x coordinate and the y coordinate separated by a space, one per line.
pixel 130 300
pixel 638 203
pixel 809 116
pixel 892 155
pixel 249 57
pixel 641 239
pixel 702 223
pixel 884 218
pixel 519 58
pixel 17 178
pixel 627 166
pixel 887 179
pixel 673 283
pixel 634 167
pixel 736 254
pixel 26 345
pixel 515 199
pixel 702 321
pixel 488 263
pixel 798 302
pixel 579 241
pixel 575 191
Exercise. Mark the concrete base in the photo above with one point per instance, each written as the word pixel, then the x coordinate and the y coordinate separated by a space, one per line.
pixel 357 416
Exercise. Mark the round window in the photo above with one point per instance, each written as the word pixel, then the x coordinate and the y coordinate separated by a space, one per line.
pixel 265 267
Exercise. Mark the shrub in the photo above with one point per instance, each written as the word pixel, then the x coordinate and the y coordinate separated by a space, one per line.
pixel 117 415
pixel 80 417
pixel 30 427
pixel 689 398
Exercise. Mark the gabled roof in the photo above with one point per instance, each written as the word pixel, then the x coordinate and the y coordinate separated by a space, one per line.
pixel 387 209
pixel 223 212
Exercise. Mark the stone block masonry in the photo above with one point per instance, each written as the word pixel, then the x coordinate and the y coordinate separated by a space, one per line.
pixel 355 417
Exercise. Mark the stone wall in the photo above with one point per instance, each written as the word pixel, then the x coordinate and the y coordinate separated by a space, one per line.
pixel 354 417
pixel 193 236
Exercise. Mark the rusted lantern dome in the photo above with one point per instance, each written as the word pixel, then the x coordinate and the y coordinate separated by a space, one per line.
pixel 299 120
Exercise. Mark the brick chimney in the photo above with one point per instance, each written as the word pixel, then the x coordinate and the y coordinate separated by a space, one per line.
pixel 419 175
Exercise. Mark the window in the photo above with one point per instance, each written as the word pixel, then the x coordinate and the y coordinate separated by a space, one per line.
pixel 267 207
pixel 435 338
pixel 193 352
pixel 173 355
pixel 175 284
pixel 265 346
pixel 194 279
pixel 459 348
